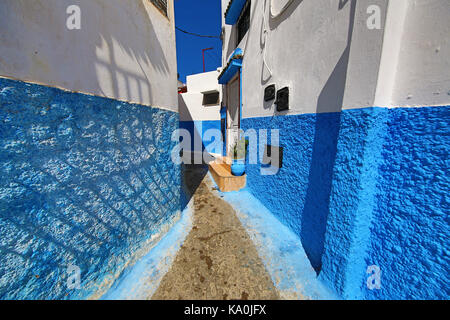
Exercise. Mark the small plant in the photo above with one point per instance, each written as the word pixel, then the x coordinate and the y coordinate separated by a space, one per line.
pixel 240 149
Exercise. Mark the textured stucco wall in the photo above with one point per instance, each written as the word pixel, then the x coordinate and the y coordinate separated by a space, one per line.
pixel 411 229
pixel 84 180
pixel 299 194
pixel 365 187
pixel 124 50
pixel 352 200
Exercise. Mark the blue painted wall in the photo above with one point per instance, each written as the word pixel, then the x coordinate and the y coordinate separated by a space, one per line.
pixel 197 130
pixel 365 187
pixel 410 234
pixel 85 181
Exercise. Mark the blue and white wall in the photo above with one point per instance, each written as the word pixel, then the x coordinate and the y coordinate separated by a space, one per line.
pixel 86 177
pixel 365 170
pixel 197 118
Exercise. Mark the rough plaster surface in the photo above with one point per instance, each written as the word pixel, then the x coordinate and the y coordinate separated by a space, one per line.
pixel 85 181
pixel 352 199
pixel 411 229
pixel 365 187
pixel 299 194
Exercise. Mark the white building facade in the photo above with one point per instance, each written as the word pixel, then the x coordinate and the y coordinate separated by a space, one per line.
pixel 200 111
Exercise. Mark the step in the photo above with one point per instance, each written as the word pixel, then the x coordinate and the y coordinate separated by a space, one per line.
pixel 225 180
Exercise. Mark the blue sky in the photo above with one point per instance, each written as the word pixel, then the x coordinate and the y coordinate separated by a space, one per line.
pixel 201 17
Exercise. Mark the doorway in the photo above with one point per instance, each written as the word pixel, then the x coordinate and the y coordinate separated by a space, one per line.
pixel 233 113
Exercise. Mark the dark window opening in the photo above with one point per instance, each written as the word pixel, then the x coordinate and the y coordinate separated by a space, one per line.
pixel 211 98
pixel 161 5
pixel 243 23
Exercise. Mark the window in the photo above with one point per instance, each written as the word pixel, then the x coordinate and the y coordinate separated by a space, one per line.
pixel 243 23
pixel 161 5
pixel 211 98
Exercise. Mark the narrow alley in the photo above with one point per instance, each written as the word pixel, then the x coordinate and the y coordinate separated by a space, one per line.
pixel 218 260
pixel 231 150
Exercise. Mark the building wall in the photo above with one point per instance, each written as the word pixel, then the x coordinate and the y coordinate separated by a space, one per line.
pixel 423 64
pixel 313 63
pixel 409 238
pixel 87 179
pixel 124 49
pixel 358 161
pixel 194 116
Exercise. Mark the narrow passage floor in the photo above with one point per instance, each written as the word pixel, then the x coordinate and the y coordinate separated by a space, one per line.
pixel 218 260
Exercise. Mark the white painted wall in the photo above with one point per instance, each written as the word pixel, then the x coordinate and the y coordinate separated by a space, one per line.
pixel 324 51
pixel 423 72
pixel 190 103
pixel 124 50
pixel 308 48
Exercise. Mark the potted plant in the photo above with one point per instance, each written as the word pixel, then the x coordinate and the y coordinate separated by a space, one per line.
pixel 238 157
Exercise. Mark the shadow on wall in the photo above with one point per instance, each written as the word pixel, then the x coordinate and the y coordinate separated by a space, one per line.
pixel 188 124
pixel 125 84
pixel 84 181
pixel 116 53
pixel 317 201
pixel 275 22
pixel 192 174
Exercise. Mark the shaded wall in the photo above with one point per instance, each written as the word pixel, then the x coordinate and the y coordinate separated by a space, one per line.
pixel 86 181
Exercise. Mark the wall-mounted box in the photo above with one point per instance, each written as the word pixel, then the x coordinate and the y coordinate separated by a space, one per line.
pixel 269 93
pixel 282 99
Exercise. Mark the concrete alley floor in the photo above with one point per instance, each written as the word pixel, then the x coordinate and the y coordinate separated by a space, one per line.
pixel 218 260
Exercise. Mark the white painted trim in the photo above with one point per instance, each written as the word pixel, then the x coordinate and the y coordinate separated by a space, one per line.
pixel 394 29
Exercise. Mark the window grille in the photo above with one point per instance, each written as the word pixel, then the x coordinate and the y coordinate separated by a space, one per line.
pixel 244 22
pixel 161 5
